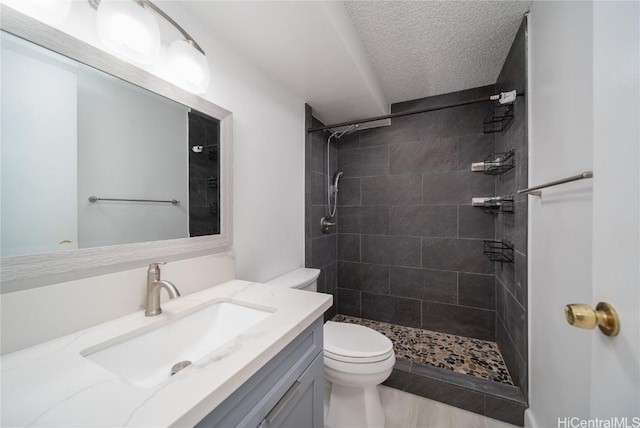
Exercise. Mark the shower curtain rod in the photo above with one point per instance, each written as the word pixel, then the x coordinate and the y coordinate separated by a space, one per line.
pixel 407 113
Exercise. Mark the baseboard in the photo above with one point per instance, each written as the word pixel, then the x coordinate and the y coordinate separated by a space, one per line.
pixel 529 419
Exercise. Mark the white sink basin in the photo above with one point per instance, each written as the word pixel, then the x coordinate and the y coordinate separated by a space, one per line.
pixel 146 356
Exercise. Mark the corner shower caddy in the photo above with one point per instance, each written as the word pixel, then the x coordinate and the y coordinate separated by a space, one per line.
pixel 498 118
pixel 499 251
pixel 500 163
pixel 499 204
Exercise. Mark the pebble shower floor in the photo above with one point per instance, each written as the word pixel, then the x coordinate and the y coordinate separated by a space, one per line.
pixel 474 357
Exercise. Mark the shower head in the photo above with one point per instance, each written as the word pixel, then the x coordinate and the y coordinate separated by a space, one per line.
pixel 336 178
pixel 349 130
pixel 352 128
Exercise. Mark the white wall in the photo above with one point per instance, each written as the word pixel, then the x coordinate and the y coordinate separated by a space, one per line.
pixel 132 144
pixel 39 107
pixel 268 140
pixel 33 316
pixel 560 97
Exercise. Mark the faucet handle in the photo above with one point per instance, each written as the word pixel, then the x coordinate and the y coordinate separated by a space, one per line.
pixel 153 267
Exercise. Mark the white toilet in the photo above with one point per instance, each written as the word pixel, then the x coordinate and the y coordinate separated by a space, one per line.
pixel 356 360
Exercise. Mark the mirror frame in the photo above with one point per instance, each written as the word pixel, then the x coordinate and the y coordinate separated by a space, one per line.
pixel 24 272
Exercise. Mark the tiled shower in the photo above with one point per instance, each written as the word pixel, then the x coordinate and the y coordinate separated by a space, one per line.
pixel 408 249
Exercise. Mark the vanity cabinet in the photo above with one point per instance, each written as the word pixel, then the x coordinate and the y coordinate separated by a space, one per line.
pixel 287 392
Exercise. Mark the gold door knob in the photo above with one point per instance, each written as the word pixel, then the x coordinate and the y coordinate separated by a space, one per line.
pixel 582 316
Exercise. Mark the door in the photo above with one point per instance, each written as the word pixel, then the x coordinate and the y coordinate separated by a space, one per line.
pixel 583 100
pixel 615 369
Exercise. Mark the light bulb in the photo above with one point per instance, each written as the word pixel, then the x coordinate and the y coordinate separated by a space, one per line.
pixel 128 30
pixel 52 12
pixel 187 67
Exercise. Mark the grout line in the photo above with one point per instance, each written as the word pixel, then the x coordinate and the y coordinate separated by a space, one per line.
pixel 419 236
pixel 515 299
pixel 495 298
pixel 515 347
pixel 389 280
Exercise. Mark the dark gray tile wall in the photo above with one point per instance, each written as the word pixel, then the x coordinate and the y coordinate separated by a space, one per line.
pixel 321 250
pixel 409 241
pixel 511 279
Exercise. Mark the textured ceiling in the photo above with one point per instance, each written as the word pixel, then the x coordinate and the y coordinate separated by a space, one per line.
pixel 349 60
pixel 419 49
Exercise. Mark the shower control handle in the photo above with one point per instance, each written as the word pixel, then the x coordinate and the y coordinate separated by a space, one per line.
pixel 325 224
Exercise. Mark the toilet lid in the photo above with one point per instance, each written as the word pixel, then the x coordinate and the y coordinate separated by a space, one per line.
pixel 355 341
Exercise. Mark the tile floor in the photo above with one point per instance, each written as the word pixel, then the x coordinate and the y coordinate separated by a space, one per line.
pixel 405 410
pixel 461 354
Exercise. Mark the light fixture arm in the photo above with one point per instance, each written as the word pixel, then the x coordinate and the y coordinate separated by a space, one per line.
pixel 147 4
pixel 187 37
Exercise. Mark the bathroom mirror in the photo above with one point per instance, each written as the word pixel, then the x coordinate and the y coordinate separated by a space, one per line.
pixel 104 166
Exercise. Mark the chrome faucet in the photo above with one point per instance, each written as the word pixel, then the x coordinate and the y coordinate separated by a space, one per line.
pixel 154 286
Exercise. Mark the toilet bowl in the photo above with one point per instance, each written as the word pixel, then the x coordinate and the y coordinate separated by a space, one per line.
pixel 356 360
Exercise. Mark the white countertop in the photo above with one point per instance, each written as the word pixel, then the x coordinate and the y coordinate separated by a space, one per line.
pixel 52 384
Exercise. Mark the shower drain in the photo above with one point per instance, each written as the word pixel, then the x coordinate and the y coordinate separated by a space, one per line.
pixel 179 366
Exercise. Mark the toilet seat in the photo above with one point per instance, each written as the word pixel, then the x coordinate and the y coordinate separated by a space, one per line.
pixel 358 360
pixel 351 343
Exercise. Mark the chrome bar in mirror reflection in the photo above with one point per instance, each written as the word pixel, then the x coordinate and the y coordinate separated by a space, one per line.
pixel 536 190
pixel 96 199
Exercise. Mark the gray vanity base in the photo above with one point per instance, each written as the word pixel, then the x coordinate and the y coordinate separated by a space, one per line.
pixel 286 392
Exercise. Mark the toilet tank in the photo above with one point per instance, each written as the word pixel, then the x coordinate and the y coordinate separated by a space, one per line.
pixel 303 279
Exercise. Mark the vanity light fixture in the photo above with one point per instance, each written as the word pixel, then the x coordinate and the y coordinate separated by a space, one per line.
pixel 187 66
pixel 52 12
pixel 128 28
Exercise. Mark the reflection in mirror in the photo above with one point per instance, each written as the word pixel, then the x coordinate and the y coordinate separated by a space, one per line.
pixel 204 175
pixel 71 132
